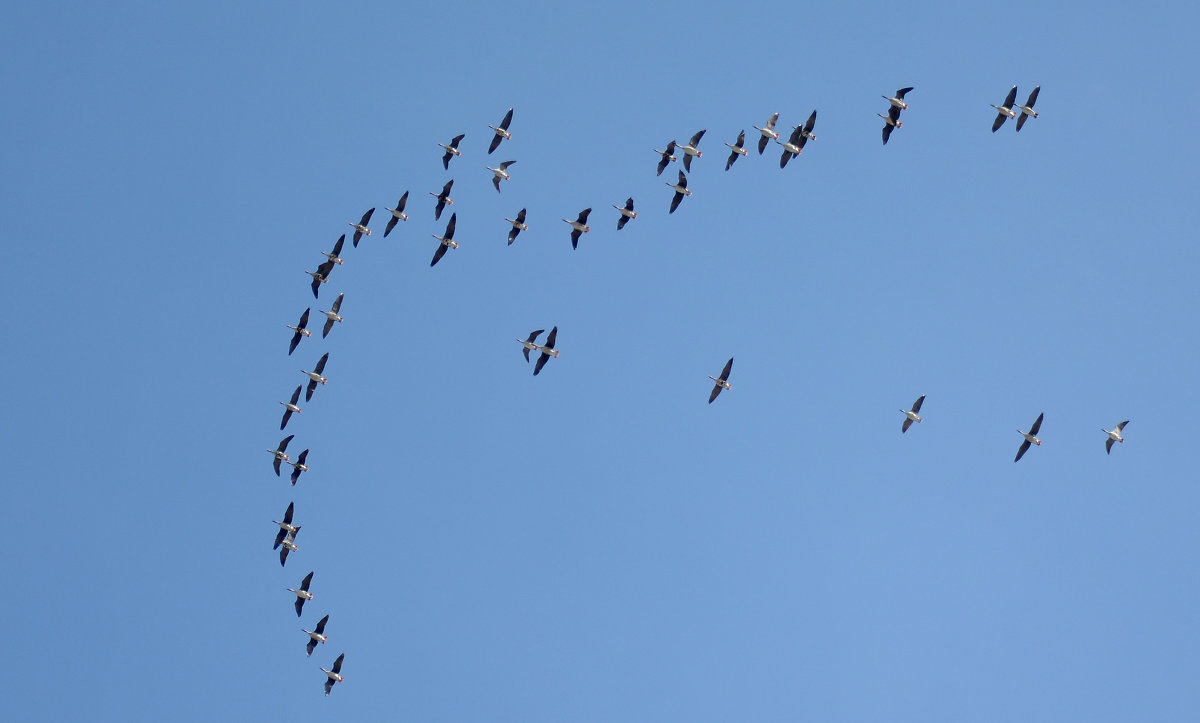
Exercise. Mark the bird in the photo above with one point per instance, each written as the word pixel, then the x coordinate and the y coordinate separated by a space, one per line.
pixel 690 150
pixel 452 149
pixel 280 452
pixel 736 149
pixel 1114 435
pixel 335 255
pixel 302 594
pixel 768 133
pixel 320 276
pixel 910 415
pixel 530 344
pixel 722 382
pixel 443 199
pixel 299 466
pixel 1027 110
pixel 335 675
pixel 890 121
pixel 579 226
pixel 548 351
pixel 289 545
pixel 300 330
pixel 681 190
pixel 1030 437
pixel 518 225
pixel 627 213
pixel 314 377
pixel 1005 111
pixel 317 634
pixel 500 174
pixel 332 316
pixel 800 135
pixel 285 525
pixel 501 132
pixel 398 214
pixel 445 241
pixel 668 156
pixel 290 407
pixel 897 100
pixel 360 228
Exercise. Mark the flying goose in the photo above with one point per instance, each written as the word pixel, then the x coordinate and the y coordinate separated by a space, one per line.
pixel 443 199
pixel 302 594
pixel 314 377
pixel 280 452
pixel 668 156
pixel 800 136
pixel 290 406
pixel 910 415
pixel 317 635
pixel 579 226
pixel 500 174
pixel 681 190
pixel 335 255
pixel 736 149
pixel 690 150
pixel 360 228
pixel 452 149
pixel 320 276
pixel 331 316
pixel 501 132
pixel 1030 437
pixel 627 213
pixel 289 545
pixel 285 525
pixel 335 675
pixel 1027 110
pixel 398 214
pixel 299 466
pixel 300 330
pixel 530 344
pixel 722 382
pixel 897 100
pixel 445 241
pixel 768 133
pixel 890 122
pixel 1114 435
pixel 548 351
pixel 1006 111
pixel 518 225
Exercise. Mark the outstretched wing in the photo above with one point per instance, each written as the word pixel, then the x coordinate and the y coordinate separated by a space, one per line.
pixel 320 629
pixel 404 200
pixel 450 227
pixel 1011 97
pixel 583 215
pixel 512 235
pixel 1000 118
pixel 1021 452
pixel 812 121
pixel 575 233
pixel 904 427
pixel 496 183
pixel 787 156
pixel 279 538
pixel 1108 443
pixel 391 224
pixel 503 126
pixel 916 407
pixel 552 338
pixel 887 133
pixel 902 92
pixel 322 361
pixel 437 255
pixel 287 414
pixel 496 138
pixel 762 144
pixel 728 368
pixel 324 333
pixel 337 247
pixel 366 217
pixel 299 603
pixel 1037 424
pixel 1033 97
pixel 687 162
pixel 1122 426
pixel 337 303
pixel 541 362
pixel 732 157
pixel 696 138
pixel 716 390
pixel 675 201
pixel 1021 121
pixel 304 318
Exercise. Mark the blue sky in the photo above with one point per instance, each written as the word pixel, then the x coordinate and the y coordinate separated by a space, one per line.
pixel 598 543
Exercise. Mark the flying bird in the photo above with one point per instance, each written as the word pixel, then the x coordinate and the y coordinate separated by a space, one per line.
pixel 320 276
pixel 500 174
pixel 722 382
pixel 1114 435
pixel 335 255
pixel 300 330
pixel 910 415
pixel 360 228
pixel 1006 111
pixel 668 156
pixel 317 635
pixel 314 377
pixel 335 675
pixel 681 190
pixel 736 149
pixel 280 452
pixel 691 151
pixel 627 213
pixel 290 407
pixel 285 525
pixel 518 225
pixel 579 226
pixel 1027 110
pixel 501 132
pixel 897 100
pixel 452 149
pixel 891 121
pixel 398 214
pixel 548 351
pixel 302 594
pixel 768 133
pixel 299 466
pixel 331 316
pixel 443 199
pixel 800 136
pixel 289 545
pixel 445 241
pixel 530 344
pixel 1030 437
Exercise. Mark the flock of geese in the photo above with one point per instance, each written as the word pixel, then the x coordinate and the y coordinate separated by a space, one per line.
pixel 792 147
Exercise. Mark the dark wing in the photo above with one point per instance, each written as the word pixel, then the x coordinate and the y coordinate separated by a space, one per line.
pixel 741 141
pixel 296 394
pixel 541 362
pixel 316 285
pixel 726 370
pixel 504 166
pixel 287 516
pixel 282 532
pixel 287 414
pixel 328 685
pixel 575 238
pixel 446 188
pixel 312 387
pixel 1108 443
pixel 306 582
pixel 1037 424
pixel 457 139
pixel 670 149
pixel 1000 118
pixel 787 156
pixel 762 144
pixel 283 553
pixel 391 224
pixel 337 247
pixel 525 351
pixel 496 182
pixel 276 464
pixel 437 210
pixel 622 221
pixel 1121 426
pixel 1021 452
pixel 696 139
pixel 916 407
pixel 716 390
pixel 326 268
pixel 325 332
pixel 337 304
pixel 553 337
pixel 366 219
pixel 1033 97
pixel 521 216
pixel 797 134
pixel 304 318
pixel 311 644
pixel 732 157
pixel 437 255
pixel 320 629
pixel 284 443
pixel 450 227
pixel 496 138
pixel 302 458
pixel 893 113
pixel 629 204
pixel 906 425
pixel 534 335
pixel 295 476
pixel 503 126
pixel 583 215
pixel 446 160
pixel 403 202
pixel 512 235
pixel 1011 98
pixel 662 164
pixel 682 180
pixel 299 603
pixel 887 133
pixel 675 201
pixel 812 121
pixel 1021 121
pixel 687 163
pixel 324 358
pixel 902 92
pixel 337 664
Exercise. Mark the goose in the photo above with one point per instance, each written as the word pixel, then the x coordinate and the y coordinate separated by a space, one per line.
pixel 360 228
pixel 1005 111
pixel 502 133
pixel 500 174
pixel 300 465
pixel 736 149
pixel 320 276
pixel 800 136
pixel 627 213
pixel 897 100
pixel 290 407
pixel 335 675
pixel 548 351
pixel 579 226
pixel 722 382
pixel 280 452
pixel 335 255
pixel 530 344
pixel 332 317
pixel 768 133
pixel 1114 435
pixel 452 149
pixel 285 525
pixel 668 156
pixel 300 330
pixel 445 241
pixel 910 415
pixel 288 545
pixel 681 190
pixel 518 225
pixel 443 199
pixel 1030 437
pixel 317 635
pixel 302 594
pixel 398 214
pixel 890 122
pixel 314 377
pixel 690 150
pixel 1027 110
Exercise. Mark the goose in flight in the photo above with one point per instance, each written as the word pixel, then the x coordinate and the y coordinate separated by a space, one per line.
pixel 336 255
pixel 288 545
pixel 317 634
pixel 360 228
pixel 502 133
pixel 627 213
pixel 910 415
pixel 500 174
pixel 800 135
pixel 1027 110
pixel 300 330
pixel 530 344
pixel 451 149
pixel 299 466
pixel 668 156
pixel 280 452
pixel 518 225
pixel 398 214
pixel 285 525
pixel 579 226
pixel 302 594
pixel 1006 111
pixel 331 316
pixel 314 377
pixel 681 190
pixel 290 407
pixel 1114 435
pixel 445 241
pixel 335 675
pixel 891 121
pixel 736 149
pixel 443 199
pixel 722 382
pixel 320 276
pixel 897 100
pixel 548 351
pixel 691 151
pixel 768 133
pixel 1030 437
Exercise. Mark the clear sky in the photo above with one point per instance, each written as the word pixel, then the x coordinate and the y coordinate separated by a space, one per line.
pixel 598 543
